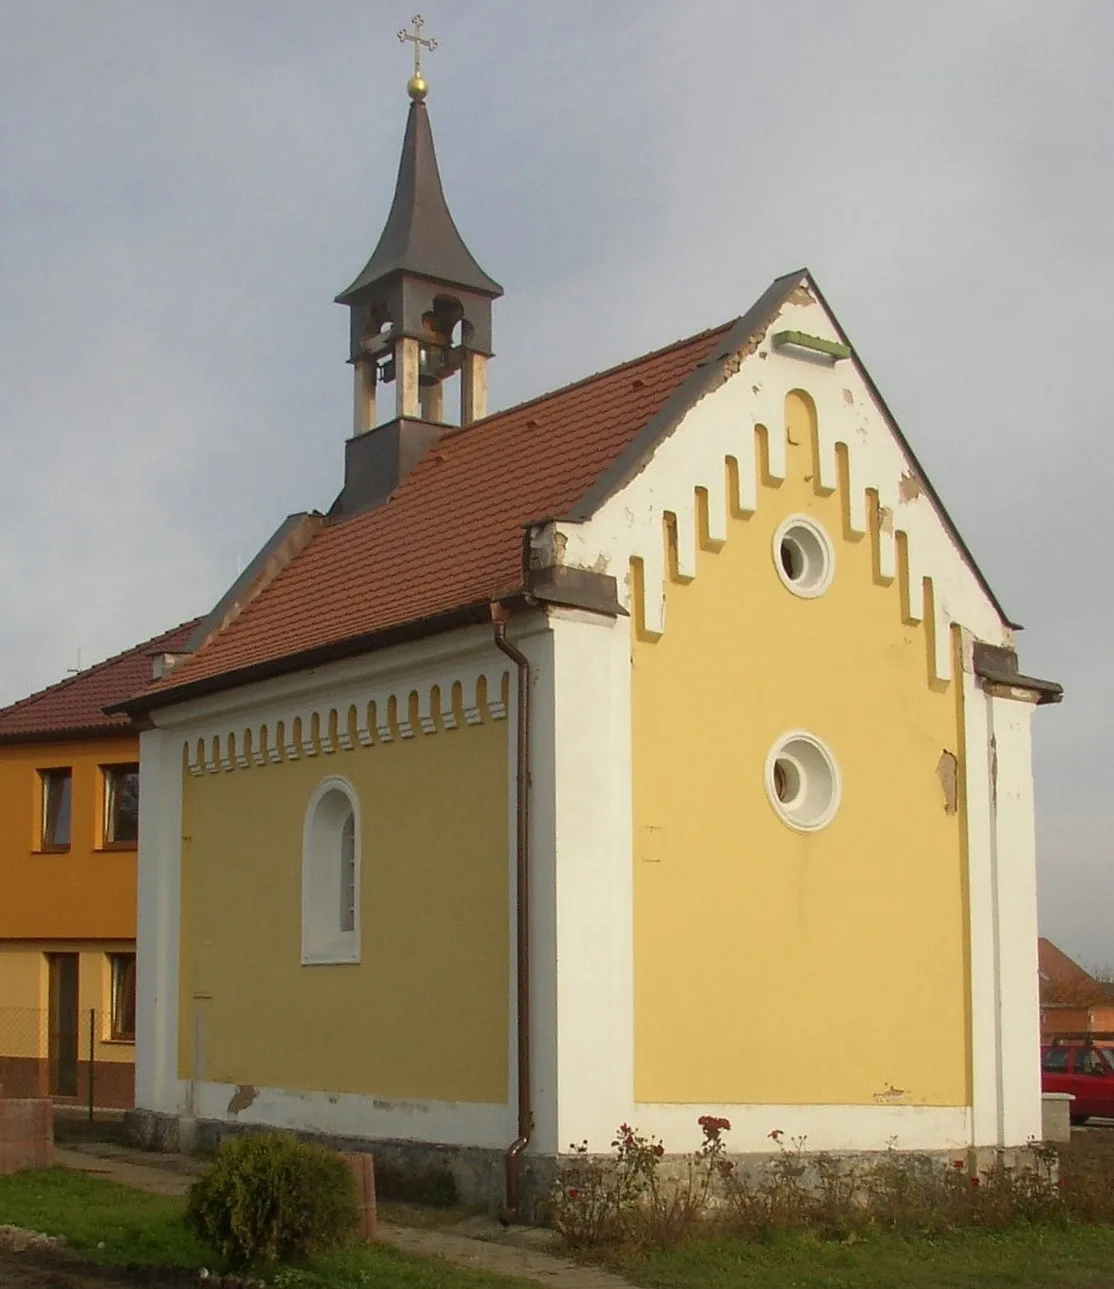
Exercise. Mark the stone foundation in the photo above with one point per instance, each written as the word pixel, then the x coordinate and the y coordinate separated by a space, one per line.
pixel 414 1170
pixel 475 1175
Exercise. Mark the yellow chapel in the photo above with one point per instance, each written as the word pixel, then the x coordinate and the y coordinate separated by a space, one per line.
pixel 653 748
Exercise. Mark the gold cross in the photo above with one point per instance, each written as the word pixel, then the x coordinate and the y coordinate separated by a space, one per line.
pixel 415 38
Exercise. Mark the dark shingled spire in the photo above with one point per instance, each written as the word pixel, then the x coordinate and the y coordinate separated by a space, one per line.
pixel 420 238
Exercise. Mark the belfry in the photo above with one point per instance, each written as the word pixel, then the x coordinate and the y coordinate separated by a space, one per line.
pixel 421 305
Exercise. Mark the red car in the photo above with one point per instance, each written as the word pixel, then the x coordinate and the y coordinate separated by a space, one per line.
pixel 1086 1071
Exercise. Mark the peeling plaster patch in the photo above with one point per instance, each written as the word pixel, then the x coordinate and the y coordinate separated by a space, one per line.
pixel 947 771
pixel 891 1095
pixel 849 398
pixel 801 295
pixel 243 1097
pixel 909 487
pixel 885 519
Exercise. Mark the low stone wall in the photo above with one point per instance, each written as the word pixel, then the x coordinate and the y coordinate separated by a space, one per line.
pixel 26 1133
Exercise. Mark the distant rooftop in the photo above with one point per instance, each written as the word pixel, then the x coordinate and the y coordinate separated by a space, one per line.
pixel 75 705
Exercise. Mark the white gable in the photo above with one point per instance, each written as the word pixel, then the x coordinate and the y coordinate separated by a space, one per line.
pixel 723 425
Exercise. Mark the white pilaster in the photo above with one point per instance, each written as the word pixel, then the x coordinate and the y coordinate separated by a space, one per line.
pixel 594 907
pixel 1002 892
pixel 158 921
pixel 982 919
pixel 1015 864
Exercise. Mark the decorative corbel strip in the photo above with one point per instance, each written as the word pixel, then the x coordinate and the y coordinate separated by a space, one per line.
pixel 402 715
pixel 494 684
pixel 445 701
pixel 425 710
pixel 344 738
pixel 382 719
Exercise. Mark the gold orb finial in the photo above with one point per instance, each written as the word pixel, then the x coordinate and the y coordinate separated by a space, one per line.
pixel 416 86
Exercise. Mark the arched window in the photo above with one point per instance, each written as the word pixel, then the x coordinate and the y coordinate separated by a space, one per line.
pixel 331 875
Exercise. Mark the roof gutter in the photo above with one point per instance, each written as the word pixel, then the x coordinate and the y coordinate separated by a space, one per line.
pixel 511 1211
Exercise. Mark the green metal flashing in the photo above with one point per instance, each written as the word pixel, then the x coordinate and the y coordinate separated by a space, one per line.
pixel 833 348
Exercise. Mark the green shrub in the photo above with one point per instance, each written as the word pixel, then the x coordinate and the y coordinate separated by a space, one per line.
pixel 269 1198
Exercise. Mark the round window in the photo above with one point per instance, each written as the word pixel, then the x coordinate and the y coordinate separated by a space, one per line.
pixel 803 556
pixel 802 781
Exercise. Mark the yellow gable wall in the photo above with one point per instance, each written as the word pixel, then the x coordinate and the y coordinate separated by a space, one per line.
pixel 424 1014
pixel 774 966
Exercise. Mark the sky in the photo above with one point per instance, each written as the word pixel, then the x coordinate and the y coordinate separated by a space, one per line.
pixel 193 182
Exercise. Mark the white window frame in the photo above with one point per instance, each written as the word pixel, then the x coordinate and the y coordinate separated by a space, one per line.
pixel 821 564
pixel 814 762
pixel 323 940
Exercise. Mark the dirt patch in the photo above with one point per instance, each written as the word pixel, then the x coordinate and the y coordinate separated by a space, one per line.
pixel 55 1269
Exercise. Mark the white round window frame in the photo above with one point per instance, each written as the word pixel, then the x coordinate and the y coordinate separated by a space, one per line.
pixel 807 590
pixel 781 750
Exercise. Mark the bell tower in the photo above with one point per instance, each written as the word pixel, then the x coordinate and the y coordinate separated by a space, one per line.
pixel 420 308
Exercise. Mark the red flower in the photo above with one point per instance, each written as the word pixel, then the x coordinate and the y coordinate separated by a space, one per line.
pixel 776 1135
pixel 974 1181
pixel 659 1149
pixel 573 1192
pixel 958 1165
pixel 712 1126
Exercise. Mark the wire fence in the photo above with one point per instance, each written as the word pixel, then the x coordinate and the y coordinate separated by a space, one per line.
pixel 71 1057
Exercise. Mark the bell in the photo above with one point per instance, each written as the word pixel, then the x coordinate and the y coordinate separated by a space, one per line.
pixel 431 359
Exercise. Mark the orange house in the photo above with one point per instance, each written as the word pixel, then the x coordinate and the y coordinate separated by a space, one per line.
pixel 1073 1002
pixel 69 817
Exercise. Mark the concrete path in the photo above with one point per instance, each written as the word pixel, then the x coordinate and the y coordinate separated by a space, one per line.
pixel 480 1244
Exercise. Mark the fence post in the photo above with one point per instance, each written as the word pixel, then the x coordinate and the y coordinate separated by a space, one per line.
pixel 92 1044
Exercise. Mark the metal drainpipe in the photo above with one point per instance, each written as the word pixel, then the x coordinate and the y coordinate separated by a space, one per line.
pixel 522 910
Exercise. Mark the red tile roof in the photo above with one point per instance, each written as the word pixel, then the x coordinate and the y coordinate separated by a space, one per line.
pixel 1056 968
pixel 451 536
pixel 75 705
pixel 1063 981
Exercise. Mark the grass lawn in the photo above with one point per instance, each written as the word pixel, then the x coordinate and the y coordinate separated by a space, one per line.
pixel 113 1224
pixel 1023 1258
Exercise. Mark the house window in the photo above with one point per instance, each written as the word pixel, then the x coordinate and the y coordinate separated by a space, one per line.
pixel 123 996
pixel 121 805
pixel 331 875
pixel 56 791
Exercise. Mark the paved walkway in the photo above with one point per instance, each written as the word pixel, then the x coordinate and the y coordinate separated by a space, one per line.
pixel 480 1244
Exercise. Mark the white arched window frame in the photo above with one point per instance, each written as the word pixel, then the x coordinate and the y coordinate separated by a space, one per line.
pixel 331 874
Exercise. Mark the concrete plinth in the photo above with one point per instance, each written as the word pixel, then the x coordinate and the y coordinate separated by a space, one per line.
pixel 26 1133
